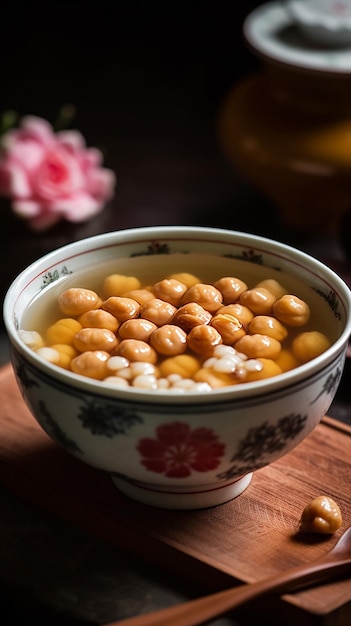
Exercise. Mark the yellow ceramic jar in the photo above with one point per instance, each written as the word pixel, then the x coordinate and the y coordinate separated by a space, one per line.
pixel 287 128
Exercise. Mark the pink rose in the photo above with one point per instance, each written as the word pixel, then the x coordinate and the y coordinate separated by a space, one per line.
pixel 51 176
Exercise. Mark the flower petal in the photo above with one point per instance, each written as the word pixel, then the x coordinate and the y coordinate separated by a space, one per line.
pixel 26 208
pixel 78 207
pixel 27 153
pixel 91 157
pixel 38 128
pixel 101 183
pixel 14 181
pixel 72 139
pixel 59 175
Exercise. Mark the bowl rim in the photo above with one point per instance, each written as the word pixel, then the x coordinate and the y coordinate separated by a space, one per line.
pixel 89 244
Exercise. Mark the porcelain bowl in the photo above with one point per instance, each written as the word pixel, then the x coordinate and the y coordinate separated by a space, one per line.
pixel 186 450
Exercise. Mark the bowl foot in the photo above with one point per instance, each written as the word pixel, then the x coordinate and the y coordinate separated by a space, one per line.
pixel 197 498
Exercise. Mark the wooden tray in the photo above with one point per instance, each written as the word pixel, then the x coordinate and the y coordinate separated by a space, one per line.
pixel 247 539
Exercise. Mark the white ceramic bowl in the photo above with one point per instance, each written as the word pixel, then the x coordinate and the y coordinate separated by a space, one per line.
pixel 189 450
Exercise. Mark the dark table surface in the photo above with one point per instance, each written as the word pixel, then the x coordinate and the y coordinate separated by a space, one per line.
pixel 147 84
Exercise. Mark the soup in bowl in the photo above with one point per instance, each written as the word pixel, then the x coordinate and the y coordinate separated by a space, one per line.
pixel 180 360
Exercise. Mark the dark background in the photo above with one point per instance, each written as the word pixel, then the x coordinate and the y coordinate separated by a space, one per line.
pixel 101 56
pixel 147 80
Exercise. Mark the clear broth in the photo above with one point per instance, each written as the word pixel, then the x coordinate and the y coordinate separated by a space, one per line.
pixel 44 310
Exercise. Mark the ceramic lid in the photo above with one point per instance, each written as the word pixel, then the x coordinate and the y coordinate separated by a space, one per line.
pixel 309 34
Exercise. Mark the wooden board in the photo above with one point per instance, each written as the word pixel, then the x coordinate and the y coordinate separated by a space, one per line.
pixel 247 539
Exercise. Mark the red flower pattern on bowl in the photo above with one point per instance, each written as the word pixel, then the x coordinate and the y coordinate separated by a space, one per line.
pixel 178 450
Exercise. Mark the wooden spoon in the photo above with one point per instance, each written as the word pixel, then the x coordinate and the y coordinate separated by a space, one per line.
pixel 335 562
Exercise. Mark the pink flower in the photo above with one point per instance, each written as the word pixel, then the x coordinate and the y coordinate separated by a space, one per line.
pixel 51 176
pixel 178 450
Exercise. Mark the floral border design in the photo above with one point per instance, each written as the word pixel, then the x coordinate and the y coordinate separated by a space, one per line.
pixel 332 301
pixel 107 419
pixel 51 277
pixel 260 443
pixel 154 248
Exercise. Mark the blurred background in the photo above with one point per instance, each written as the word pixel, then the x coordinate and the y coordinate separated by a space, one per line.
pixel 147 82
